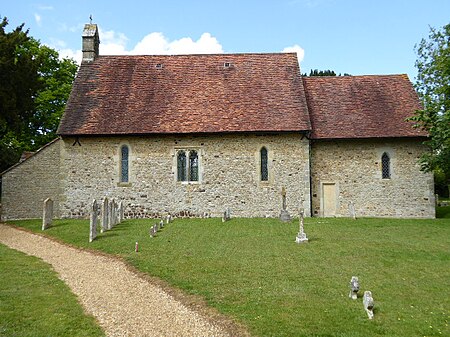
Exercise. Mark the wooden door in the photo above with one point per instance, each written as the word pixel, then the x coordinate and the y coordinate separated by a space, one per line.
pixel 329 199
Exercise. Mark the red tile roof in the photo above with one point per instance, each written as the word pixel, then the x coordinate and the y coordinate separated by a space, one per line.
pixel 361 106
pixel 188 94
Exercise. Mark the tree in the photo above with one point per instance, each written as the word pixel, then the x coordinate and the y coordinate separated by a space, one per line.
pixel 34 87
pixel 433 87
pixel 317 72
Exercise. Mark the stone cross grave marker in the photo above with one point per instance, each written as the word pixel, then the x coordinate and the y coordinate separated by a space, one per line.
pixel 354 288
pixel 301 236
pixel 284 214
pixel 93 222
pixel 47 214
pixel 105 216
pixel 368 303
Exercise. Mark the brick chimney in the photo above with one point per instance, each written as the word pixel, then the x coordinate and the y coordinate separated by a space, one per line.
pixel 91 42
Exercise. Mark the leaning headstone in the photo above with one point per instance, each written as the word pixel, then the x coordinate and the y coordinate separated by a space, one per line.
pixel 351 210
pixel 368 303
pixel 301 236
pixel 105 216
pixel 93 222
pixel 354 288
pixel 284 214
pixel 47 214
pixel 120 211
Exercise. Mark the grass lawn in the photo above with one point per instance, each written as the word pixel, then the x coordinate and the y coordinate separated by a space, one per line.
pixel 34 302
pixel 252 270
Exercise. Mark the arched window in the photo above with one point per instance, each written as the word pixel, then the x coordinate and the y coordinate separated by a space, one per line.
pixel 124 152
pixel 385 166
pixel 181 166
pixel 264 168
pixel 193 166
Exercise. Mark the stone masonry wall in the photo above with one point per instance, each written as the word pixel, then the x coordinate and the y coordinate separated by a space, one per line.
pixel 355 168
pixel 229 175
pixel 29 183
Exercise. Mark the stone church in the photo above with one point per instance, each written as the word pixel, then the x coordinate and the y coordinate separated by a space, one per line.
pixel 195 134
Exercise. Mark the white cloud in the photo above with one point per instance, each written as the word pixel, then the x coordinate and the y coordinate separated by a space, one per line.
pixel 112 43
pixel 157 44
pixel 296 49
pixel 38 19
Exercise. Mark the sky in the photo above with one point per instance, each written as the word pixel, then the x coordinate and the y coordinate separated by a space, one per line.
pixel 357 37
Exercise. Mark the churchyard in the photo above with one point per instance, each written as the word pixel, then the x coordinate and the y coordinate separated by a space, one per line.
pixel 253 270
pixel 34 302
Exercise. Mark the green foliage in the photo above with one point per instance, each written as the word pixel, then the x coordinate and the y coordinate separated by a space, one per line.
pixel 433 87
pixel 253 271
pixel 317 72
pixel 34 87
pixel 34 302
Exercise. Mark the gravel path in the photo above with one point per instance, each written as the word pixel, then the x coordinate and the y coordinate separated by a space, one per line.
pixel 124 303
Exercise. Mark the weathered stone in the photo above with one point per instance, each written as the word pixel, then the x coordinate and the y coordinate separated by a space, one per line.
pixel 121 212
pixel 351 210
pixel 284 214
pixel 354 167
pixel 354 288
pixel 105 216
pixel 47 214
pixel 368 303
pixel 161 224
pixel 226 215
pixel 93 221
pixel 301 236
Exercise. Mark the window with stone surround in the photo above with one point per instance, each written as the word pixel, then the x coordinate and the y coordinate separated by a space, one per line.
pixel 124 154
pixel 264 164
pixel 385 166
pixel 187 165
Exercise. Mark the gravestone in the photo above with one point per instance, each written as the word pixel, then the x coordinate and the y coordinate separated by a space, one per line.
pixel 226 215
pixel 161 224
pixel 110 214
pixel 368 303
pixel 354 288
pixel 105 216
pixel 47 215
pixel 168 219
pixel 284 214
pixel 351 210
pixel 301 236
pixel 93 222
pixel 120 211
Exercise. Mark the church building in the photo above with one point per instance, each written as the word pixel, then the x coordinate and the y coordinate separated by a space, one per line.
pixel 192 135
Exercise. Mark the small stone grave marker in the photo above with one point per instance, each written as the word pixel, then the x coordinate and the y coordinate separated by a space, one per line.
pixel 354 288
pixel 47 214
pixel 368 303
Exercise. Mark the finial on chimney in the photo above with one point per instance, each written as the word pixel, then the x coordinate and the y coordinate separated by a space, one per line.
pixel 90 19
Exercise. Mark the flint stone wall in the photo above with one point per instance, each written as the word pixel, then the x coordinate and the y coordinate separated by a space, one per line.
pixel 229 175
pixel 355 167
pixel 26 185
